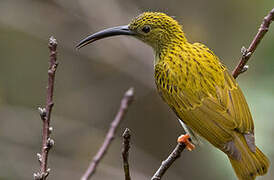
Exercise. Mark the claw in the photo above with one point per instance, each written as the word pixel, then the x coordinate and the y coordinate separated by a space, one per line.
pixel 185 140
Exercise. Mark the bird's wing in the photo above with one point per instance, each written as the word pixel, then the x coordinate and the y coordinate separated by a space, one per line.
pixel 212 117
pixel 233 99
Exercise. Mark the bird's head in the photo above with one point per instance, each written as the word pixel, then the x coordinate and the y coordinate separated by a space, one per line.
pixel 155 29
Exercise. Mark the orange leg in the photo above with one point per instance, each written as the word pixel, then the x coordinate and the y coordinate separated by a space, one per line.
pixel 185 140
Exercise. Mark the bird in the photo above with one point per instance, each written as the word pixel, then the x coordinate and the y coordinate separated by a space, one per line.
pixel 199 89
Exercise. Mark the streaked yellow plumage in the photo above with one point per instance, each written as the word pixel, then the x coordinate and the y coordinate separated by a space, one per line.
pixel 199 89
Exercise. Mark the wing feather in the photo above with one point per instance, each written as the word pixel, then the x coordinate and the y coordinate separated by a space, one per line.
pixel 213 117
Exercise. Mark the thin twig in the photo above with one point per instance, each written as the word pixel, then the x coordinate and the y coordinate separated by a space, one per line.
pixel 45 114
pixel 125 152
pixel 246 53
pixel 176 153
pixel 240 68
pixel 126 101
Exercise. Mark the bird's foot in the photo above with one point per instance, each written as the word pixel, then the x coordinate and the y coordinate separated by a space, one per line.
pixel 185 139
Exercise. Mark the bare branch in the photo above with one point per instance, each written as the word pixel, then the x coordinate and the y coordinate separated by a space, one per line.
pixel 126 146
pixel 126 101
pixel 246 53
pixel 45 114
pixel 176 153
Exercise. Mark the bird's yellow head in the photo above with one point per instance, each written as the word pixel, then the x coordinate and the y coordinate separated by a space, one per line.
pixel 155 29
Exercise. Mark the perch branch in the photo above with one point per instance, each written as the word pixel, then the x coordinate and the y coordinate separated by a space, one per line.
pixel 176 153
pixel 125 152
pixel 246 53
pixel 126 101
pixel 45 114
pixel 240 68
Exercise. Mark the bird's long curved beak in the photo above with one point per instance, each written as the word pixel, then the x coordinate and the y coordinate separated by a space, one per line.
pixel 115 31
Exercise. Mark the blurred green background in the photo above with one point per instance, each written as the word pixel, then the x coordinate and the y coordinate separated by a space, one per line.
pixel 91 82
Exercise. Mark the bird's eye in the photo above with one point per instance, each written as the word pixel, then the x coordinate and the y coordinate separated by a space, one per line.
pixel 146 29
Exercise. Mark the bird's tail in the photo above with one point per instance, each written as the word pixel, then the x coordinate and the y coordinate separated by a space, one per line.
pixel 251 164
